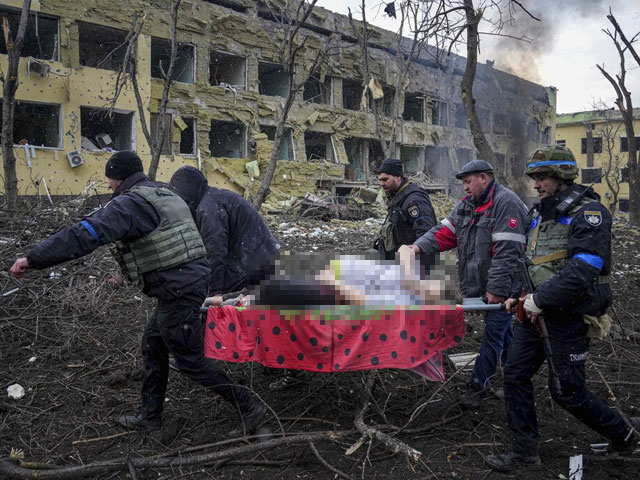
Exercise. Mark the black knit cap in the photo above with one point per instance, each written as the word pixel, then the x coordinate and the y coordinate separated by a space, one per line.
pixel 391 166
pixel 122 164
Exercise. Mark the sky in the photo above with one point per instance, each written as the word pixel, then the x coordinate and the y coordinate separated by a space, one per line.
pixel 563 50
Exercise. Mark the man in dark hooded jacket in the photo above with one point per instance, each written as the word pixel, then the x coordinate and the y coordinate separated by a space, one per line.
pixel 237 239
pixel 147 220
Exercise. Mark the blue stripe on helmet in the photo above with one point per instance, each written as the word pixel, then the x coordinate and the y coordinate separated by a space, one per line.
pixel 547 163
pixel 593 260
pixel 90 229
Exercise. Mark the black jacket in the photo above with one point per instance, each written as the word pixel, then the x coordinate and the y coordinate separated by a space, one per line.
pixel 575 288
pixel 126 217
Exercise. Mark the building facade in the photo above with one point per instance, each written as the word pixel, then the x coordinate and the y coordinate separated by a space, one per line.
pixel 599 142
pixel 228 95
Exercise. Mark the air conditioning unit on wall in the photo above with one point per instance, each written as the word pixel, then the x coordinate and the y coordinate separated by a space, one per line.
pixel 75 158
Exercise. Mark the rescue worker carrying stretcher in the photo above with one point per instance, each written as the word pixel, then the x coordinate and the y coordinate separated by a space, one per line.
pixel 160 249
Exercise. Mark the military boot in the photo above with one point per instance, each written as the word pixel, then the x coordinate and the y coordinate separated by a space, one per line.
pixel 629 446
pixel 472 397
pixel 139 422
pixel 252 411
pixel 510 461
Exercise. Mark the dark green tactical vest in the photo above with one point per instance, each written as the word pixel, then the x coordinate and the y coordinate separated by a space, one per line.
pixel 547 244
pixel 175 241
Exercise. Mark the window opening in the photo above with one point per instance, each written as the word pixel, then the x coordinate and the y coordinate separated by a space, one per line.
pixel 226 69
pixel 351 94
pixel 166 148
pixel 413 107
pixel 318 146
pixel 597 145
pixel 439 113
pixel 410 157
pixel 101 131
pixel 316 91
pixel 36 124
pixel 41 38
pixel 285 152
pixel 272 80
pixel 183 70
pixel 591 175
pixel 227 139
pixel 101 47
pixel 188 137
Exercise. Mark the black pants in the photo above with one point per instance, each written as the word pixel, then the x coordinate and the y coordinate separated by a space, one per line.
pixel 570 348
pixel 176 327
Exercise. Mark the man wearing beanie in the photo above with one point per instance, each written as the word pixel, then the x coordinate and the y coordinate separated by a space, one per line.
pixel 160 249
pixel 410 213
pixel 236 237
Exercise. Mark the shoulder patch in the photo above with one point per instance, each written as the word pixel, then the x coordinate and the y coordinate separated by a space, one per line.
pixel 593 217
pixel 513 223
pixel 414 211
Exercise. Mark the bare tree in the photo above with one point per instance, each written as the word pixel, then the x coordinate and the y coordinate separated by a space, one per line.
pixel 625 105
pixel 128 73
pixel 9 87
pixel 609 130
pixel 291 18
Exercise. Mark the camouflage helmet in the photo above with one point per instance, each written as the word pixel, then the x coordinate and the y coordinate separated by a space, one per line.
pixel 554 160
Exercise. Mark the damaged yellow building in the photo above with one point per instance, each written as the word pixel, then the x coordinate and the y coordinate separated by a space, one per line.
pixel 228 94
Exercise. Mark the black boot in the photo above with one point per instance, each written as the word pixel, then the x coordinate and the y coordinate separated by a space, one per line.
pixel 252 411
pixel 629 446
pixel 473 396
pixel 510 461
pixel 138 422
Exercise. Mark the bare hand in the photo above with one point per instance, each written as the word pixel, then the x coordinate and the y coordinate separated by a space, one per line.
pixel 491 298
pixel 20 266
pixel 510 304
pixel 216 301
pixel 415 248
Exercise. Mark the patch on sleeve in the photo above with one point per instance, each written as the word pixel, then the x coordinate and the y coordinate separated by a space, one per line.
pixel 414 211
pixel 513 223
pixel 593 217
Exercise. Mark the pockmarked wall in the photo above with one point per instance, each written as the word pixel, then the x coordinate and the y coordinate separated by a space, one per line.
pixel 229 95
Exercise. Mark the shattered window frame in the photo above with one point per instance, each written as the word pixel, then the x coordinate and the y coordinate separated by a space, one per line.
pixel 282 87
pixel 224 127
pixel 357 151
pixel 413 110
pixel 388 99
pixel 33 44
pixel 226 58
pixel 353 94
pixel 322 93
pixel 91 46
pixel 597 145
pixel 329 146
pixel 119 120
pixel 185 66
pixel 411 157
pixel 591 175
pixel 154 123
pixel 192 127
pixel 285 141
pixel 24 121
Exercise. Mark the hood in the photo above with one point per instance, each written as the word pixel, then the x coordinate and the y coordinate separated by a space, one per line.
pixel 190 184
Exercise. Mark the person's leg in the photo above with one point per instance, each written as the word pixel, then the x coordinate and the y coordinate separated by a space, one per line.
pixel 497 329
pixel 570 350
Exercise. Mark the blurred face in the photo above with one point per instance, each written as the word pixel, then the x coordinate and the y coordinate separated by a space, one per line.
pixel 475 183
pixel 113 183
pixel 546 186
pixel 389 183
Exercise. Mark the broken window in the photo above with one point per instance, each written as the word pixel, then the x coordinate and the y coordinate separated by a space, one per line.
pixel 227 139
pixel 592 175
pixel 624 144
pixel 437 163
pixel 101 130
pixel 272 80
pixel 285 152
pixel 318 146
pixel 461 116
pixel 355 149
pixel 500 123
pixel 188 137
pixel 351 94
pixel 413 107
pixel 166 148
pixel 388 99
pixel 41 38
pixel 623 205
pixel 101 47
pixel 236 6
pixel 316 91
pixel 36 124
pixel 226 69
pixel 439 113
pixel 561 143
pixel 411 159
pixel 597 145
pixel 376 155
pixel 183 69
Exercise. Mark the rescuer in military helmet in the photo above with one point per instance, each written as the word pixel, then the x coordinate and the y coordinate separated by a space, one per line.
pixel 568 255
pixel 160 249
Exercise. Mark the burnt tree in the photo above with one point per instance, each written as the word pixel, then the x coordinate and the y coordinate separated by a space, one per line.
pixel 625 105
pixel 9 87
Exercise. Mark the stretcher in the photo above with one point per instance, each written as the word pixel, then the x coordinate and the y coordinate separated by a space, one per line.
pixel 336 338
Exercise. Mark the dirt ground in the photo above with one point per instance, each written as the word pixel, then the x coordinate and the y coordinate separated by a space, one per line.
pixel 72 341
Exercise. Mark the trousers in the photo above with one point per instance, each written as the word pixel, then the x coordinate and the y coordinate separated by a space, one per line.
pixel 570 347
pixel 496 340
pixel 176 327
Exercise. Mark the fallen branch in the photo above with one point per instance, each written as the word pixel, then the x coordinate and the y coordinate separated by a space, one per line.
pixel 325 463
pixel 99 439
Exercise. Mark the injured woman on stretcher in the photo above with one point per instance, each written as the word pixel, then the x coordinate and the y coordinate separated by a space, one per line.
pixel 318 280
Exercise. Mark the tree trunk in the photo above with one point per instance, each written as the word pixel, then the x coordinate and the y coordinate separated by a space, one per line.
pixel 14 48
pixel 469 102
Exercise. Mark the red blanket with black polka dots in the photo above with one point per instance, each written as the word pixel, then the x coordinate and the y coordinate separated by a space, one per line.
pixel 334 338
